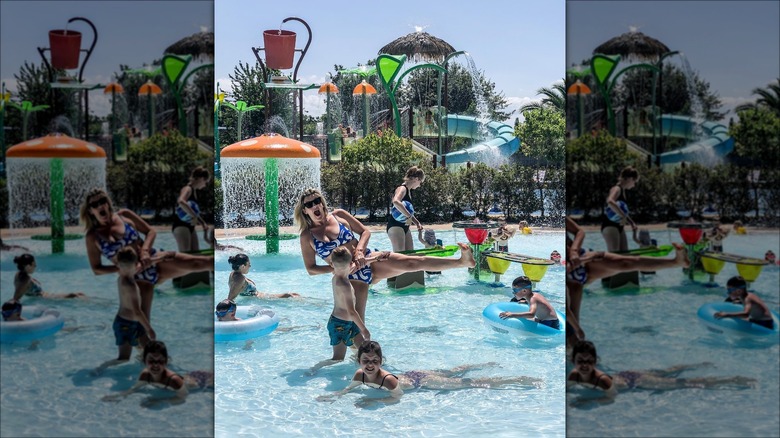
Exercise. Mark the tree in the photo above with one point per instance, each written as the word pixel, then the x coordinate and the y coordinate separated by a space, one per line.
pixel 768 97
pixel 554 98
pixel 593 164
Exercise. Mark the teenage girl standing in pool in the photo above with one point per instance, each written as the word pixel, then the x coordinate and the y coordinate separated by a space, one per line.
pixel 322 231
pixel 184 232
pixel 614 232
pixel 398 232
pixel 25 284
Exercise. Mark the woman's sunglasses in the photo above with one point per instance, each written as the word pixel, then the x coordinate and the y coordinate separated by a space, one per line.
pixel 98 203
pixel 312 203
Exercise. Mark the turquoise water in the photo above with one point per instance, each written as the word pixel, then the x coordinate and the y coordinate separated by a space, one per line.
pixel 656 327
pixel 49 391
pixel 265 391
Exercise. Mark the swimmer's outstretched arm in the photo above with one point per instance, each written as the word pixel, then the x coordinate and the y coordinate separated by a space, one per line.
pixel 338 394
pixel 121 395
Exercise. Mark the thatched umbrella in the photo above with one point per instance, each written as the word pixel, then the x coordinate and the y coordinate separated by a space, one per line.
pixel 633 45
pixel 419 46
pixel 198 45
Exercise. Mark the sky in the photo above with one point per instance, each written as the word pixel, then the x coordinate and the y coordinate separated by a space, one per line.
pixel 519 45
pixel 733 45
pixel 129 32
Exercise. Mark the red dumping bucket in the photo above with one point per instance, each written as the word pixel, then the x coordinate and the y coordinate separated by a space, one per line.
pixel 279 48
pixel 65 46
pixel 691 236
pixel 476 235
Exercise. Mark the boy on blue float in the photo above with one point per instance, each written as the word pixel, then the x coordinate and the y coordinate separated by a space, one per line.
pixel 539 309
pixel 12 311
pixel 754 309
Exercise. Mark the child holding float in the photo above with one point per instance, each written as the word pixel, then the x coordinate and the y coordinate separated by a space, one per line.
pixel 539 309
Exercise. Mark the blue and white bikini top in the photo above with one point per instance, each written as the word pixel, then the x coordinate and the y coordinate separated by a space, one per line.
pixel 110 249
pixel 249 288
pixel 324 249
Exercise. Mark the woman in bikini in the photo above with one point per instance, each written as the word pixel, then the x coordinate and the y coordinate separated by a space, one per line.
pixel 187 205
pixel 614 232
pixel 156 373
pixel 398 232
pixel 239 284
pixel 322 231
pixel 586 374
pixel 371 374
pixel 109 231
pixel 25 284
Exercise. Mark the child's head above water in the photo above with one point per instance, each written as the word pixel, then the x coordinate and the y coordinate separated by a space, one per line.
pixel 126 257
pixel 224 307
pixel 11 309
pixel 24 260
pixel 737 285
pixel 583 348
pixel 341 257
pixel 429 236
pixel 155 348
pixel 369 348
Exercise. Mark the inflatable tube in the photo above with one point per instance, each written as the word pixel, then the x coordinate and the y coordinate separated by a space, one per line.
pixel 400 217
pixel 519 325
pixel 612 215
pixel 254 323
pixel 183 214
pixel 39 322
pixel 733 325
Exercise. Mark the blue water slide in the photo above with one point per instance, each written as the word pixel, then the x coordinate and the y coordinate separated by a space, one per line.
pixel 714 144
pixel 500 140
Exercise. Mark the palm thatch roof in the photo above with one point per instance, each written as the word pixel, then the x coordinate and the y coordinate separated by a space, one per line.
pixel 419 46
pixel 199 45
pixel 633 45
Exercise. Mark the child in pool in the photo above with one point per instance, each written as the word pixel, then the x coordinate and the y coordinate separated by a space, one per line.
pixel 131 326
pixel 739 228
pixel 716 236
pixel 555 256
pixel 428 238
pixel 586 374
pixel 239 284
pixel 156 373
pixel 371 374
pixel 12 311
pixel 503 235
pixel 754 308
pixel 345 326
pixel 25 284
pixel 539 309
pixel 770 257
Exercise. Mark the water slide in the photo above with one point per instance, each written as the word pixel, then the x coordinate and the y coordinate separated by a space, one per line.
pixel 714 144
pixel 500 140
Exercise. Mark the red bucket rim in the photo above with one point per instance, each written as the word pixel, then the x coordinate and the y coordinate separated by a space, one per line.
pixel 278 32
pixel 62 32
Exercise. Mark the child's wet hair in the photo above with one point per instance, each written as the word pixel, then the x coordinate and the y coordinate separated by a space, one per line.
pixel 583 347
pixel 225 305
pixel 126 255
pixel 369 347
pixel 238 260
pixel 522 281
pixel 340 257
pixel 737 281
pixel 12 306
pixel 23 260
pixel 155 347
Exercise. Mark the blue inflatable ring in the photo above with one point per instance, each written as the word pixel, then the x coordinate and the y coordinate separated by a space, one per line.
pixel 614 217
pixel 519 325
pixel 38 323
pixel 706 314
pixel 400 217
pixel 183 214
pixel 254 323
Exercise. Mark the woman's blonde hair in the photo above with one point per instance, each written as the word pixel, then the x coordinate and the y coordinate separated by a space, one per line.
pixel 302 219
pixel 87 219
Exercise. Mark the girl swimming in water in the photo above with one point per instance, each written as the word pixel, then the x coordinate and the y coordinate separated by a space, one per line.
pixel 371 374
pixel 156 373
pixel 239 284
pixel 25 284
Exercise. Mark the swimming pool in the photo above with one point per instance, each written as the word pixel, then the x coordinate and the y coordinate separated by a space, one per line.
pixel 655 327
pixel 50 392
pixel 265 391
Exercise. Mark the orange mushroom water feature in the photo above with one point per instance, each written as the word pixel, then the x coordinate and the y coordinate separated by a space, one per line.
pixel 48 177
pixel 262 178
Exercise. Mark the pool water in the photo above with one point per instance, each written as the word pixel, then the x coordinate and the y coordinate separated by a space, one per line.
pixel 655 327
pixel 265 390
pixel 49 391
